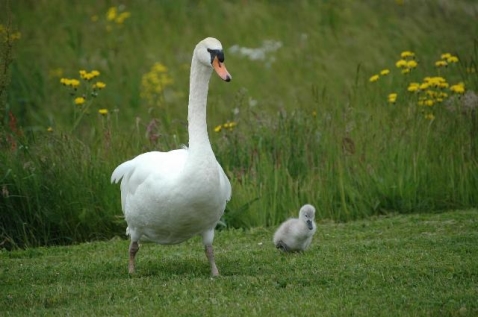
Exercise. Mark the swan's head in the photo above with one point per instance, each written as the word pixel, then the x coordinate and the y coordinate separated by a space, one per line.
pixel 209 53
pixel 307 214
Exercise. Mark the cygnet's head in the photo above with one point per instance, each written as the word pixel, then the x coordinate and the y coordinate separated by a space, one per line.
pixel 307 214
pixel 209 52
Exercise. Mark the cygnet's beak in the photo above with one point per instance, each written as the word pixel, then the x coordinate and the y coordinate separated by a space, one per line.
pixel 309 224
pixel 221 70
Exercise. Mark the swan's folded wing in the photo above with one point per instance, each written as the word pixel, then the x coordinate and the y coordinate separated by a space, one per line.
pixel 225 184
pixel 160 165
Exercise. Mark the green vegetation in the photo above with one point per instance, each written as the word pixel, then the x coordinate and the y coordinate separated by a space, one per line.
pixel 405 265
pixel 302 123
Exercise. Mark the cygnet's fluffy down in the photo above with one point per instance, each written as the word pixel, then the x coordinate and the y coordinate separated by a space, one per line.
pixel 295 234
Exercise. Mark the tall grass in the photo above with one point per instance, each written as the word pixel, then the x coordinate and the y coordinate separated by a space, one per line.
pixel 353 162
pixel 310 127
pixel 55 190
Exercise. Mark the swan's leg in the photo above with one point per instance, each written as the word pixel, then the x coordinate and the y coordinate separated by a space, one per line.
pixel 210 256
pixel 207 238
pixel 133 249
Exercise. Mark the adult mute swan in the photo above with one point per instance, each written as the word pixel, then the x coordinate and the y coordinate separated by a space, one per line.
pixel 169 197
pixel 296 234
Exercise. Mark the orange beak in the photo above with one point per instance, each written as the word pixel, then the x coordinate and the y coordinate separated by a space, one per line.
pixel 221 70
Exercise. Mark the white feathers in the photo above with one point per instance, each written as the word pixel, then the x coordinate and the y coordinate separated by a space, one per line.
pixel 168 197
pixel 295 234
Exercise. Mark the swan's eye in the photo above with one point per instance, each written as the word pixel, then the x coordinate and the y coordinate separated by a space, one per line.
pixel 218 53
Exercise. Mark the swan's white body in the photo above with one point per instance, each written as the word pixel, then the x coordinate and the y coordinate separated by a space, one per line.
pixel 168 202
pixel 295 234
pixel 169 197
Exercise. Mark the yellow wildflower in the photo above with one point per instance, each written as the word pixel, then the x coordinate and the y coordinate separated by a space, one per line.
pixel 111 14
pixel 85 75
pixel 165 80
pixel 122 17
pixel 374 78
pixel 218 128
pixel 413 87
pixel 443 85
pixel 88 76
pixel 154 82
pixel 406 54
pixel 392 97
pixel 74 83
pixel 429 116
pixel 70 82
pixel 99 85
pixel 445 55
pixel 15 36
pixel 385 72
pixel 79 100
pixel 160 68
pixel 401 63
pixel 229 125
pixel 452 59
pixel 412 64
pixel 434 81
pixel 103 112
pixel 441 63
pixel 50 129
pixel 424 86
pixel 405 71
pixel 429 102
pixel 458 88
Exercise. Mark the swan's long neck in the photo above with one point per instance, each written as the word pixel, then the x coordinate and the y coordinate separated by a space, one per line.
pixel 197 127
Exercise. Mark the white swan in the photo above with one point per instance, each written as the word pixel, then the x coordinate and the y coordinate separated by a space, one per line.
pixel 169 197
pixel 296 234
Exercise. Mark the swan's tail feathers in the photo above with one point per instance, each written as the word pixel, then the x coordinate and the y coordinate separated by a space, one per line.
pixel 121 171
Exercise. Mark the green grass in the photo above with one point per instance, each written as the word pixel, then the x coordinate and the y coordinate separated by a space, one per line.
pixel 400 265
pixel 311 128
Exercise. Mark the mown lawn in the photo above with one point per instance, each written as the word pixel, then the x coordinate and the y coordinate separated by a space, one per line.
pixel 401 265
